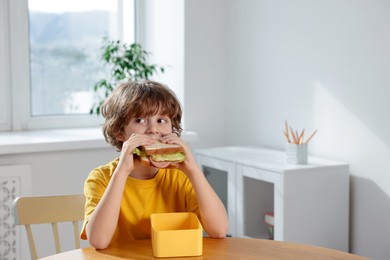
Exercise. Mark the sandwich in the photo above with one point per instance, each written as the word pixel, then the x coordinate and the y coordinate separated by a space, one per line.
pixel 160 155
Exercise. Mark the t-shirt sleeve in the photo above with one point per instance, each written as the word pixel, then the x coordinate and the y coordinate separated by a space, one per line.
pixel 94 188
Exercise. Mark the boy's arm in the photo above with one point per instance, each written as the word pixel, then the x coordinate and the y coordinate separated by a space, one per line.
pixel 104 219
pixel 213 213
pixel 102 223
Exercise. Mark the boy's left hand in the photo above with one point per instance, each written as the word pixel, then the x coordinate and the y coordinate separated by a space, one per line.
pixel 190 161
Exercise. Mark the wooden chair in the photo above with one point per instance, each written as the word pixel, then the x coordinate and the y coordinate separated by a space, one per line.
pixel 49 209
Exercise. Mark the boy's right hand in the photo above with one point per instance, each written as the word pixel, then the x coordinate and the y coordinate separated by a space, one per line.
pixel 126 159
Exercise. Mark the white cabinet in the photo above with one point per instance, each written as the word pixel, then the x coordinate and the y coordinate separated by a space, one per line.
pixel 310 202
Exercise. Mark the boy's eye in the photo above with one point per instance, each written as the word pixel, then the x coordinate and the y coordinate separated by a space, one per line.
pixel 162 120
pixel 140 120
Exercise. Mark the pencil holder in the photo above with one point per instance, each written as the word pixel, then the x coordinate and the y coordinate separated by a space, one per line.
pixel 296 153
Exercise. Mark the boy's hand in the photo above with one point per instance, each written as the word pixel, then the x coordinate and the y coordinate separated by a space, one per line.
pixel 126 159
pixel 189 163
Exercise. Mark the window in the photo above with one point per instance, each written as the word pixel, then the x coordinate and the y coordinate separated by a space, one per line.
pixel 55 48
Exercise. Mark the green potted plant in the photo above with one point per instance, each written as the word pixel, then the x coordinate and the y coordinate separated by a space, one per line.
pixel 127 62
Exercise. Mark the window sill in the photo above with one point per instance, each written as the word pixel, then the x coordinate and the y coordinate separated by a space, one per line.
pixel 60 140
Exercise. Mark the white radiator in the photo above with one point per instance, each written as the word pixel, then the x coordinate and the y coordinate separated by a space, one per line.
pixel 15 180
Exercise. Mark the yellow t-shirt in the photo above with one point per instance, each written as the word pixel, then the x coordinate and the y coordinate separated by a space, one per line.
pixel 169 191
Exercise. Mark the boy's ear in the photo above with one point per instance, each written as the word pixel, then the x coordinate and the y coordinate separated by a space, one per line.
pixel 120 136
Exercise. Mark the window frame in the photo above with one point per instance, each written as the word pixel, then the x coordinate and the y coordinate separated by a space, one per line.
pixel 5 95
pixel 19 86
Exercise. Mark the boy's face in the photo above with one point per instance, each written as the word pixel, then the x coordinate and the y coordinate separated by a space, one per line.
pixel 158 125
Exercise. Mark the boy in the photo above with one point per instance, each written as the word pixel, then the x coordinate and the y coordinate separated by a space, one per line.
pixel 121 195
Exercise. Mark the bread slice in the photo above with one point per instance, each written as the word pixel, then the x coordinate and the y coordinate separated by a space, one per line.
pixel 161 148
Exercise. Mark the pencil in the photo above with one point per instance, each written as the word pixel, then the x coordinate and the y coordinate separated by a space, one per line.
pixel 286 133
pixel 293 135
pixel 311 136
pixel 287 137
pixel 300 139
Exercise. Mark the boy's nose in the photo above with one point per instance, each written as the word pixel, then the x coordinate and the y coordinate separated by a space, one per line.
pixel 152 128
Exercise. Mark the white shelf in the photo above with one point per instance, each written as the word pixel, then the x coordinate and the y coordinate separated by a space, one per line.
pixel 310 202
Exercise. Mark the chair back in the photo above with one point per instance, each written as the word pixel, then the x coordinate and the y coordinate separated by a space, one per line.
pixel 49 209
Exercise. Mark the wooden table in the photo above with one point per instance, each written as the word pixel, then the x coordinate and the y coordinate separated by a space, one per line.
pixel 227 248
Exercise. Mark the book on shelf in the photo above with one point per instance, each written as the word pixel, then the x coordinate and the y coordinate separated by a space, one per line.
pixel 269 220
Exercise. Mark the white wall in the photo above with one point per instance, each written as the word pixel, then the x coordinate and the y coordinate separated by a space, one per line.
pixel 205 56
pixel 319 64
pixel 162 34
pixel 181 35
